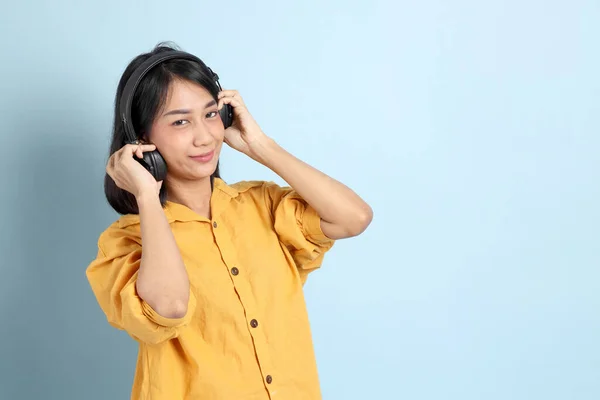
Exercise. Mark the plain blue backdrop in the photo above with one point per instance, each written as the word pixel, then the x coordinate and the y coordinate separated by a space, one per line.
pixel 470 127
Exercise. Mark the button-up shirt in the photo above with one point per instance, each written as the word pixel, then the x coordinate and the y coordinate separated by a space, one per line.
pixel 246 333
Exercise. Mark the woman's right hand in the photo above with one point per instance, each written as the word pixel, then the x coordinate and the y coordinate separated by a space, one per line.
pixel 129 174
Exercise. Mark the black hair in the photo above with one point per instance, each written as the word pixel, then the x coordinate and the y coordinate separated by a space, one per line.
pixel 148 99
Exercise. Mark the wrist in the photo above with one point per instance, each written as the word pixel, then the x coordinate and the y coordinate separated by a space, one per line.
pixel 263 149
pixel 146 197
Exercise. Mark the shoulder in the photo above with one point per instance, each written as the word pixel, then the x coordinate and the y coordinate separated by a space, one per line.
pixel 245 186
pixel 248 186
pixel 121 236
pixel 263 193
pixel 254 187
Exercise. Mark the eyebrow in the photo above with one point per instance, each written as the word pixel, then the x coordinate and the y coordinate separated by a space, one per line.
pixel 186 111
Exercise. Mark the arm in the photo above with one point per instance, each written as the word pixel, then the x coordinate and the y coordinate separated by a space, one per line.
pixel 162 279
pixel 343 213
pixel 113 276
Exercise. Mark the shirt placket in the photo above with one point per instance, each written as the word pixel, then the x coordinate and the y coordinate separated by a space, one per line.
pixel 253 320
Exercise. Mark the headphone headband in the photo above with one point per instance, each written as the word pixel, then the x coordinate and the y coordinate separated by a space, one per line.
pixel 137 76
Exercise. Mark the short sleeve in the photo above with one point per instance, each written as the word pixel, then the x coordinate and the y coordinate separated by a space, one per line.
pixel 298 226
pixel 112 277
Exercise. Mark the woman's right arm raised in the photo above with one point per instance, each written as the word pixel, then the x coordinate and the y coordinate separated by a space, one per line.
pixel 162 280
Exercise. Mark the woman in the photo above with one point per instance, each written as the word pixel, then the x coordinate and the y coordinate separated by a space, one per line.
pixel 207 276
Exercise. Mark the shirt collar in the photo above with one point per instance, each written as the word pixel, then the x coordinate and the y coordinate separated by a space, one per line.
pixel 221 195
pixel 219 184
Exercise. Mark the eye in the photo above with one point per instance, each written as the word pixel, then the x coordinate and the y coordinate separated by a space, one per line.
pixel 211 114
pixel 180 122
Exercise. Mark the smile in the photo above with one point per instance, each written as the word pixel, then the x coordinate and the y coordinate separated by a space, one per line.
pixel 203 158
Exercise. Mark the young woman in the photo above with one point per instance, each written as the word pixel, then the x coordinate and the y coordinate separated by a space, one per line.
pixel 207 277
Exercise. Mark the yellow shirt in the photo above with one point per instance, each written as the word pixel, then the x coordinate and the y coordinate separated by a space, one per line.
pixel 246 334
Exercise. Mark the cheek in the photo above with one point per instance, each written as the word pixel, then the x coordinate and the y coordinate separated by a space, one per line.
pixel 169 146
pixel 157 137
pixel 219 133
pixel 218 136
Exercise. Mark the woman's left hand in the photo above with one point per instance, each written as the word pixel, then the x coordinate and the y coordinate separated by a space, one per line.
pixel 244 132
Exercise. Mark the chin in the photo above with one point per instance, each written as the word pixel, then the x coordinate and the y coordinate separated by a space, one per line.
pixel 204 171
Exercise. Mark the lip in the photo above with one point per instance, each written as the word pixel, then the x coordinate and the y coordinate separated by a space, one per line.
pixel 203 158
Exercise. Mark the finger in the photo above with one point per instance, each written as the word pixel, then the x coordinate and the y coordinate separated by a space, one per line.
pixel 234 102
pixel 111 160
pixel 229 93
pixel 129 149
pixel 143 147
pixel 133 147
pixel 138 152
pixel 125 151
pixel 110 166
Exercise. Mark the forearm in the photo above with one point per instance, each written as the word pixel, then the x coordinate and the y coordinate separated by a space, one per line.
pixel 335 203
pixel 162 278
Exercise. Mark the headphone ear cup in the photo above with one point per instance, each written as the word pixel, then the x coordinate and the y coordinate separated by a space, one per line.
pixel 226 113
pixel 155 164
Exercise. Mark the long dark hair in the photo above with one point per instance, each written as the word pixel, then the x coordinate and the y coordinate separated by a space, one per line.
pixel 148 99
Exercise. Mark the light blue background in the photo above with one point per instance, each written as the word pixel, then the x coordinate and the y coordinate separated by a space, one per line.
pixel 470 127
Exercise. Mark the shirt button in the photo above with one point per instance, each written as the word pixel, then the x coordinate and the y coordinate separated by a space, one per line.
pixel 254 323
pixel 215 224
pixel 269 379
pixel 234 271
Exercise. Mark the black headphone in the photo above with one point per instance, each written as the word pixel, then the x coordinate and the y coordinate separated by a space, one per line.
pixel 152 160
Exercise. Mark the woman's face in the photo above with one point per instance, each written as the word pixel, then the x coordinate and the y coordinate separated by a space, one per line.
pixel 188 131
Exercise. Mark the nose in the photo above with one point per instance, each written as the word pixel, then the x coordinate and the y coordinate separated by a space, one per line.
pixel 202 135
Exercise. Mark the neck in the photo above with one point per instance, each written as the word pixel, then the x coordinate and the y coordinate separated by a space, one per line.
pixel 195 195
